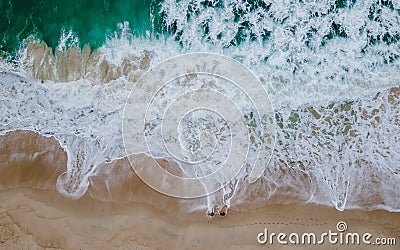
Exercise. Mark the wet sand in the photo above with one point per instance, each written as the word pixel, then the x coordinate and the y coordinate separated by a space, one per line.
pixel 130 215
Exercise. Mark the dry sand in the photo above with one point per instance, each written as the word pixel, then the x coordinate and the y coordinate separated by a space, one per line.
pixel 33 215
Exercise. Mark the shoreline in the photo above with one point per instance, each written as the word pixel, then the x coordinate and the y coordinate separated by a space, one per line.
pixel 34 215
pixel 40 161
pixel 49 220
pixel 199 125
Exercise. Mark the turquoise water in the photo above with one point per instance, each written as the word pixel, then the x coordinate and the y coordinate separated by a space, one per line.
pixel 91 20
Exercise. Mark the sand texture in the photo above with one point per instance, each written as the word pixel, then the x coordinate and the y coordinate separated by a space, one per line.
pixel 130 215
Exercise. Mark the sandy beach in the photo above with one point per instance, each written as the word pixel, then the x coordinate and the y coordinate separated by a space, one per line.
pixel 33 215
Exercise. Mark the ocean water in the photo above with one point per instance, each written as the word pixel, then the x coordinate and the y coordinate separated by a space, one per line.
pixel 91 21
pixel 331 70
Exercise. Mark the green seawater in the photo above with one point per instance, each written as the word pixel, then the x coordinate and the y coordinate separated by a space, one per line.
pixel 91 20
